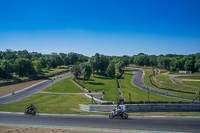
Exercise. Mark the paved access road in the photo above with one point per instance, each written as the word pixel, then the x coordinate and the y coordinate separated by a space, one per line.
pixel 138 81
pixel 32 90
pixel 171 124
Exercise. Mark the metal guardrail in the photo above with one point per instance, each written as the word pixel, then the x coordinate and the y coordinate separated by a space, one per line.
pixel 143 107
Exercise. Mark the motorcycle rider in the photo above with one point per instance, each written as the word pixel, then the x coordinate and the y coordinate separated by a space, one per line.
pixel 119 110
pixel 31 107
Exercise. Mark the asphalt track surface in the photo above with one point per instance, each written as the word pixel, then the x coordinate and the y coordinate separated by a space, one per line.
pixel 32 90
pixel 138 81
pixel 162 124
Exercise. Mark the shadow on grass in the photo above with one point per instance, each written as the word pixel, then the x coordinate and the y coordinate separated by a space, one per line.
pixel 96 83
pixel 104 77
pixel 81 79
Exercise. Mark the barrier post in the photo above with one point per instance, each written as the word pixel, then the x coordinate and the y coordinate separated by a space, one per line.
pixel 129 98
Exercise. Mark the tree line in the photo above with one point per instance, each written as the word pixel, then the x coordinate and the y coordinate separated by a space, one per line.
pixel 170 62
pixel 24 63
pixel 100 64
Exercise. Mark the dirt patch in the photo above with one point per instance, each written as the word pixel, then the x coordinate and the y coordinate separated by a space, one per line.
pixel 16 129
pixel 4 90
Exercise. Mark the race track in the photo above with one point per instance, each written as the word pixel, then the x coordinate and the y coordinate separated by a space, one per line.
pixel 32 90
pixel 138 81
pixel 168 124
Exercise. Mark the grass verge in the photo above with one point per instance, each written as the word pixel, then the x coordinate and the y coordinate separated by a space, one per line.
pixel 188 77
pixel 101 83
pixel 192 83
pixel 65 86
pixel 50 104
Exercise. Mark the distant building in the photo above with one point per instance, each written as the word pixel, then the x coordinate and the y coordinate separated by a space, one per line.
pixel 185 71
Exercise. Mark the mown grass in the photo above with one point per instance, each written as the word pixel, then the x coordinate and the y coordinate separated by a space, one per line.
pixel 65 86
pixel 49 103
pixel 100 83
pixel 165 81
pixel 138 94
pixel 188 77
pixel 163 71
pixel 175 73
pixel 192 83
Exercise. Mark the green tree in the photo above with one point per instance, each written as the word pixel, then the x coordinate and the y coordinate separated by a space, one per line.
pixel 164 62
pixel 6 68
pixel 9 54
pixel 120 66
pixel 197 62
pixel 76 71
pixel 104 62
pixel 94 62
pixel 141 60
pixel 23 54
pixel 23 67
pixel 152 60
pixel 85 70
pixel 37 66
pixel 111 70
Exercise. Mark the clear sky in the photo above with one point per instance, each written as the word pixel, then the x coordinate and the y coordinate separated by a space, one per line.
pixel 110 27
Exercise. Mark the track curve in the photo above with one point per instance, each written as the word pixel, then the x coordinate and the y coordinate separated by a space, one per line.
pixel 138 81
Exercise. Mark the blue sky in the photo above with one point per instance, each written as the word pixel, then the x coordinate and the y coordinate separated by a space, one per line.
pixel 110 27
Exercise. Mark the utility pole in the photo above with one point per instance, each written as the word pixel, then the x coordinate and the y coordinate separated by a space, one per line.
pixel 92 99
pixel 129 98
pixel 148 94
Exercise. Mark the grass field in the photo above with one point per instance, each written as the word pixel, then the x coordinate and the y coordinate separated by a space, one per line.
pixel 101 83
pixel 138 94
pixel 175 73
pixel 165 81
pixel 192 83
pixel 188 77
pixel 65 86
pixel 163 71
pixel 49 103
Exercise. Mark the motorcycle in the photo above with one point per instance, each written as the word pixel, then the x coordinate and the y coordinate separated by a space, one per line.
pixel 121 114
pixel 30 111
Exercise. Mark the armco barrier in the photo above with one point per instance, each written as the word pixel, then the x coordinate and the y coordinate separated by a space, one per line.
pixel 81 85
pixel 144 107
pixel 96 108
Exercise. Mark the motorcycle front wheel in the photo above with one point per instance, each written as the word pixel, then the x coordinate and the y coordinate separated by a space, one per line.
pixel 26 112
pixel 124 116
pixel 111 116
pixel 33 112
